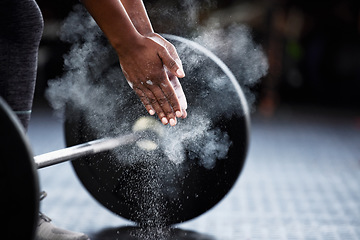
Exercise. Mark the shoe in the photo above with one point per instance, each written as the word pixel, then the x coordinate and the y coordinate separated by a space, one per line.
pixel 47 231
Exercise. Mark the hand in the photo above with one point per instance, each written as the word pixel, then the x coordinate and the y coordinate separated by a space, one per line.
pixel 173 79
pixel 144 65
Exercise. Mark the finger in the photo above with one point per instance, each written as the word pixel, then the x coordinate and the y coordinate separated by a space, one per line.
pixel 170 63
pixel 144 98
pixel 172 98
pixel 173 53
pixel 178 91
pixel 164 103
pixel 153 101
pixel 184 112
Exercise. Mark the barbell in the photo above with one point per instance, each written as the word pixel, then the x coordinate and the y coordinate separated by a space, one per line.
pixel 186 170
pixel 19 179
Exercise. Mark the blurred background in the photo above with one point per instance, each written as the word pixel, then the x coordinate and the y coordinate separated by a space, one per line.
pixel 313 47
pixel 301 178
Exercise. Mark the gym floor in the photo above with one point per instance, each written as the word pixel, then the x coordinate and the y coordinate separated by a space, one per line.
pixel 301 181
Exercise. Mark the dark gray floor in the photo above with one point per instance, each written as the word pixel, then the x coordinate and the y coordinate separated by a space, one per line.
pixel 301 181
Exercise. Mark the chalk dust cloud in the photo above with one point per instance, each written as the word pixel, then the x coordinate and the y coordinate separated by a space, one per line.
pixel 93 84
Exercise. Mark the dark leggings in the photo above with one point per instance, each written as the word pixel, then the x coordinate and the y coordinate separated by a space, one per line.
pixel 21 26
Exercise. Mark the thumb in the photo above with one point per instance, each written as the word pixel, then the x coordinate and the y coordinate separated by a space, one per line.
pixel 171 64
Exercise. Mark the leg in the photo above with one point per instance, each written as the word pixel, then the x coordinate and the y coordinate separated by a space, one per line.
pixel 21 27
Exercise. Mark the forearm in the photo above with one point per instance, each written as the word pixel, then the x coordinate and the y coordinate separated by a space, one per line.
pixel 138 15
pixel 112 18
pixel 142 54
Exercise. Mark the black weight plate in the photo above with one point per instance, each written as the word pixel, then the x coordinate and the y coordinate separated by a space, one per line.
pixel 182 179
pixel 19 179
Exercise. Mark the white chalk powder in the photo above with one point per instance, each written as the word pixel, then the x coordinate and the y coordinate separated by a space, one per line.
pixel 93 83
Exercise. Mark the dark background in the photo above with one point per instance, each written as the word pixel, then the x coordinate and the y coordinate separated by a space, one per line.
pixel 313 47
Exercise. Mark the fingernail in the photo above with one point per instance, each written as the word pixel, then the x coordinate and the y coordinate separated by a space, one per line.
pixel 184 113
pixel 151 112
pixel 180 72
pixel 164 120
pixel 172 122
pixel 178 114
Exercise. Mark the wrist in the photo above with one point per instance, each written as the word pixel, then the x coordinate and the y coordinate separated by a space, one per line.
pixel 127 43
